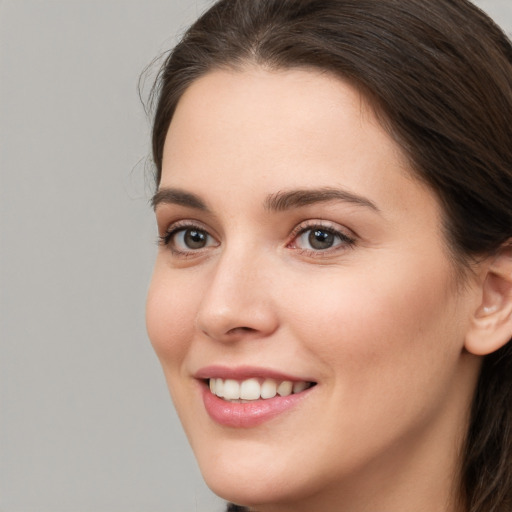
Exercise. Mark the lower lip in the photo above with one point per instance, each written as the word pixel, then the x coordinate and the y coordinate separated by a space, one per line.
pixel 250 414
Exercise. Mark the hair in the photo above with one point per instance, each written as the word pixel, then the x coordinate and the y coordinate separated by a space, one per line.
pixel 438 75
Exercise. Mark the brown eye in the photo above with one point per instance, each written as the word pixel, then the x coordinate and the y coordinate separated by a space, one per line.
pixel 320 239
pixel 194 238
pixel 189 239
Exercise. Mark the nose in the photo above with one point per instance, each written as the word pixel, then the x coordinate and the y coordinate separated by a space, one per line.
pixel 237 303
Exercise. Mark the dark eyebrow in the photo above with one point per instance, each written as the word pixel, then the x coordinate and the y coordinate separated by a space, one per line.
pixel 279 201
pixel 177 196
pixel 296 198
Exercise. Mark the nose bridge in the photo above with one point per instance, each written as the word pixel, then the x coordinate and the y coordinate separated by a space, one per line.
pixel 237 299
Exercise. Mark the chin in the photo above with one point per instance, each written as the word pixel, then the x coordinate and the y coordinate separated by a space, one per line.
pixel 247 479
pixel 252 491
pixel 256 476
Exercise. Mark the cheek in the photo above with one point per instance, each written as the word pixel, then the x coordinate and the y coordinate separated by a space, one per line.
pixel 170 312
pixel 387 319
pixel 169 318
pixel 388 350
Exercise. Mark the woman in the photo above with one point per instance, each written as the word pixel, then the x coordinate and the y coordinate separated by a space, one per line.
pixel 332 297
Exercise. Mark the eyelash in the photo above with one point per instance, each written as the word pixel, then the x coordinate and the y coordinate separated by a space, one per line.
pixel 345 241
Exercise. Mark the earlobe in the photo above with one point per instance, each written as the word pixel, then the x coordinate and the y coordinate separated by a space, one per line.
pixel 491 325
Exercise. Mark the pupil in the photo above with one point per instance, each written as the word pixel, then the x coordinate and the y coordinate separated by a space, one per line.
pixel 320 239
pixel 195 239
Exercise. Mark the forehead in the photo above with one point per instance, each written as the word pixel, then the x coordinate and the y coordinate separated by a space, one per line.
pixel 271 97
pixel 290 112
pixel 264 131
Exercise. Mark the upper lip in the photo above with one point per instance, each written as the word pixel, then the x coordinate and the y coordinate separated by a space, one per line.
pixel 241 373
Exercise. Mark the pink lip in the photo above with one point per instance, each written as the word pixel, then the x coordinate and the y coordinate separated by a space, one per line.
pixel 249 414
pixel 245 372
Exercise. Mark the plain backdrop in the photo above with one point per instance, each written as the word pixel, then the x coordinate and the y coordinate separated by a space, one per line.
pixel 86 424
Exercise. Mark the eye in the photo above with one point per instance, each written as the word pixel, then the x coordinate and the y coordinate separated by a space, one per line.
pixel 191 239
pixel 320 238
pixel 187 239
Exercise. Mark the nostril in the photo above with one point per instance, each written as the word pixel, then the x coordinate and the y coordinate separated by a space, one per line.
pixel 241 329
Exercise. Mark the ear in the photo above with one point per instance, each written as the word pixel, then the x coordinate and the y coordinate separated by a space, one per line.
pixel 491 326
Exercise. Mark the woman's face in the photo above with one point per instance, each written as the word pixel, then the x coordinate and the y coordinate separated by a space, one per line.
pixel 299 254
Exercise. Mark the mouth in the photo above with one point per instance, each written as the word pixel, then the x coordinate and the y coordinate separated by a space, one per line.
pixel 247 396
pixel 254 389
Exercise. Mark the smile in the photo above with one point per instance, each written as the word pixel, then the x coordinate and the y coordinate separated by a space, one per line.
pixel 244 398
pixel 255 389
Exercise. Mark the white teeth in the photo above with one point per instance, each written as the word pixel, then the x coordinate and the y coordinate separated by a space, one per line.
pixel 250 389
pixel 254 389
pixel 219 387
pixel 285 388
pixel 231 389
pixel 268 388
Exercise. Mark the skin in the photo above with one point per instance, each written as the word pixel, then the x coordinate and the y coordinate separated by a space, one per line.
pixel 378 323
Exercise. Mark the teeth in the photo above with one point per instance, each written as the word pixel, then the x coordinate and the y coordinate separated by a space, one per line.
pixel 299 386
pixel 250 389
pixel 254 389
pixel 219 387
pixel 268 388
pixel 285 388
pixel 231 390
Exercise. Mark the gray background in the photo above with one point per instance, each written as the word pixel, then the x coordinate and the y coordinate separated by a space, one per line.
pixel 86 424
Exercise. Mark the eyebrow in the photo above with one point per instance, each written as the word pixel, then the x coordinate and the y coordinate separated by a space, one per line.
pixel 280 201
pixel 179 197
pixel 287 200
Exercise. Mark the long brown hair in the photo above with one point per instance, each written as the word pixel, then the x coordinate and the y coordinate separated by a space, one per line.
pixel 438 74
